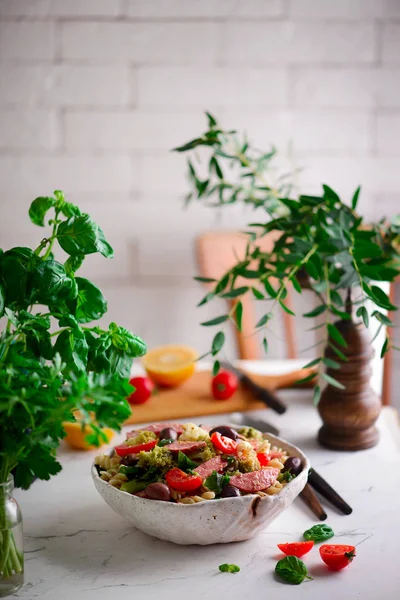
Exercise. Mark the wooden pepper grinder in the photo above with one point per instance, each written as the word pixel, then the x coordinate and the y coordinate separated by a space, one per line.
pixel 349 415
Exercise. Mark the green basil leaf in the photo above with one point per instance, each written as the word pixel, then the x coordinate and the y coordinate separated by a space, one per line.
pixel 226 568
pixel 216 482
pixel 318 533
pixel 70 210
pixel 81 235
pixel 90 304
pixel 73 263
pixel 292 570
pixel 184 462
pixel 52 283
pixel 16 267
pixel 125 341
pixel 2 299
pixel 39 208
pixel 73 349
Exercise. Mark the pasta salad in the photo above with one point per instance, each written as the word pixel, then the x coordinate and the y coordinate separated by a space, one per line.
pixel 187 463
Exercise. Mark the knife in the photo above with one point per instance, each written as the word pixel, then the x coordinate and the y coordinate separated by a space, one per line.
pixel 260 393
pixel 322 487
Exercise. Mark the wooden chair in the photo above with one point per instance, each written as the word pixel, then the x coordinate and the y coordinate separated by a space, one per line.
pixel 217 253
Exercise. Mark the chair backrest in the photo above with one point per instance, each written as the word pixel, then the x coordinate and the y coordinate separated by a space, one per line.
pixel 216 253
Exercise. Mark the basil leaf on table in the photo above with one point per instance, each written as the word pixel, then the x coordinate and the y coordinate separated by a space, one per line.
pixel 292 570
pixel 216 482
pixel 226 568
pixel 318 533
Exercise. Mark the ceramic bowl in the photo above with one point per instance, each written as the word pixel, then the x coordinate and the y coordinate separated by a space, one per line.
pixel 211 522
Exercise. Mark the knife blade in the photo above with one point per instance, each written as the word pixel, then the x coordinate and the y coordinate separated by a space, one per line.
pixel 260 393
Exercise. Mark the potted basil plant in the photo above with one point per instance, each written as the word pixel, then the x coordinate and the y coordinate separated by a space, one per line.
pixel 324 246
pixel 53 361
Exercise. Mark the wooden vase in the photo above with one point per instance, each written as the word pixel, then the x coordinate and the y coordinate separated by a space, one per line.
pixel 349 415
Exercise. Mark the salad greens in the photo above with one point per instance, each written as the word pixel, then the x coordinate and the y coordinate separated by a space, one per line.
pixel 216 482
pixel 292 570
pixel 226 568
pixel 318 533
pixel 185 464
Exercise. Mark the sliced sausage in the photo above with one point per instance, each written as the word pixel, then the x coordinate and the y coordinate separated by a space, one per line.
pixel 214 464
pixel 255 481
pixel 186 447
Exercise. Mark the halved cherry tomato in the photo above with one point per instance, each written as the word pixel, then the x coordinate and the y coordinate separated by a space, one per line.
pixel 296 548
pixel 181 481
pixel 224 444
pixel 124 449
pixel 337 556
pixel 224 385
pixel 144 387
pixel 264 457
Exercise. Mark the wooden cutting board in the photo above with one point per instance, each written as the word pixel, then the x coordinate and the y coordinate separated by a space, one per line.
pixel 193 398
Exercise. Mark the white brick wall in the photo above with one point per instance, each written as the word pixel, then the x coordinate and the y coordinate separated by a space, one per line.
pixel 94 94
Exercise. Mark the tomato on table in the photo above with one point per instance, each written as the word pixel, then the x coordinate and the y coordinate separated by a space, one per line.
pixel 181 481
pixel 144 387
pixel 337 556
pixel 125 449
pixel 223 443
pixel 298 549
pixel 224 385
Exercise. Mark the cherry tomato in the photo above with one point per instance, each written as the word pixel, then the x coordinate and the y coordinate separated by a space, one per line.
pixel 264 458
pixel 224 385
pixel 181 481
pixel 124 449
pixel 337 556
pixel 224 444
pixel 296 548
pixel 144 388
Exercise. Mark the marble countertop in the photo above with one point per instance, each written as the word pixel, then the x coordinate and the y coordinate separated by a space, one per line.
pixel 77 548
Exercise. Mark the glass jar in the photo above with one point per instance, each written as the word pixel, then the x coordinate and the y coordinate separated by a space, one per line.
pixel 11 541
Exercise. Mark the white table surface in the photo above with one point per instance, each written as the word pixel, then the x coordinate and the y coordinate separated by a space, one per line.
pixel 77 548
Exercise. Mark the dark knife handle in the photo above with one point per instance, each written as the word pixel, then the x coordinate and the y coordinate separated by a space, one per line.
pixel 320 485
pixel 265 396
pixel 308 496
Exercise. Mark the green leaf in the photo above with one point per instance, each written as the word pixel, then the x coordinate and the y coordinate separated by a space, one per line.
pixel 257 294
pixel 81 235
pixel 316 311
pixel 336 298
pixel 212 122
pixel 269 288
pixel 90 304
pixel 226 568
pixel 318 533
pixel 52 283
pixel 184 462
pixel 296 285
pixel 312 363
pixel 73 263
pixel 335 334
pixel 330 194
pixel 16 267
pixel 264 320
pixel 363 313
pixel 204 279
pixel 381 318
pixel 286 308
pixel 216 482
pixel 216 321
pixel 385 347
pixel 345 316
pixel 265 344
pixel 235 293
pixel 292 570
pixel 73 349
pixel 39 208
pixel 354 200
pixel 332 381
pixel 316 395
pixel 306 379
pixel 217 343
pixel 338 352
pixel 239 315
pixel 215 165
pixel 206 298
pixel 332 364
pixel 216 368
pixel 125 341
pixel 70 210
pixel 381 299
pixel 2 299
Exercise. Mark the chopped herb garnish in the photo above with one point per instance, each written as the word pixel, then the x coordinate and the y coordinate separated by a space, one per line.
pixel 318 533
pixel 165 442
pixel 292 570
pixel 215 482
pixel 225 568
pixel 185 463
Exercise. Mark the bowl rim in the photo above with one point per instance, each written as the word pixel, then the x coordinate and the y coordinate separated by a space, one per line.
pixel 305 461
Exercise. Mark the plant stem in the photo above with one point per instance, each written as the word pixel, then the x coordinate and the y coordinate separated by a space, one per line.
pixel 349 304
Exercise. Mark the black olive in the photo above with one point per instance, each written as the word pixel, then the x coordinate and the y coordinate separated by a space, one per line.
pixel 168 434
pixel 293 465
pixel 225 431
pixel 158 491
pixel 130 460
pixel 230 491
